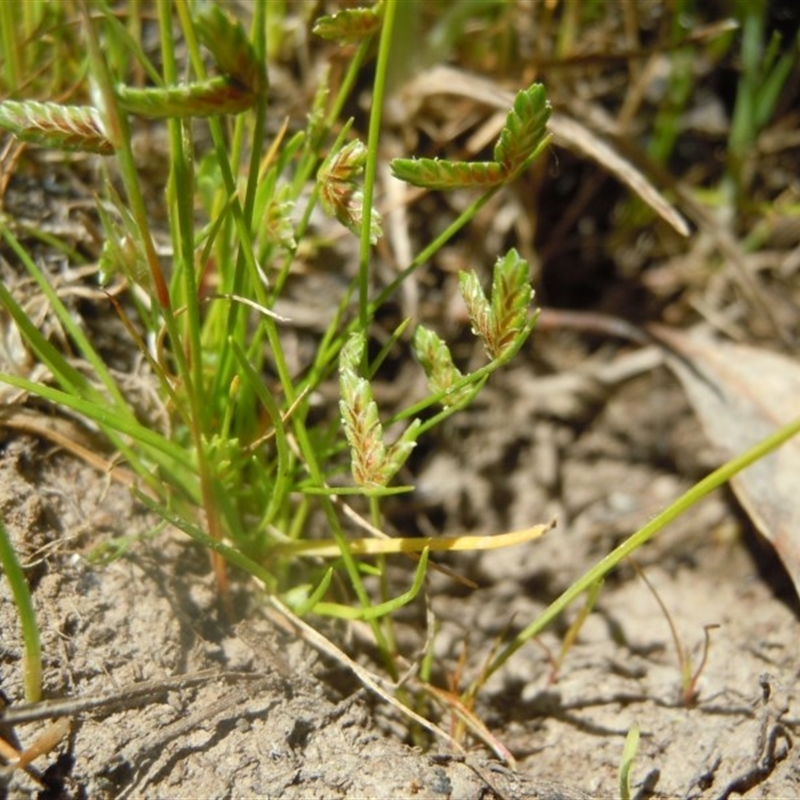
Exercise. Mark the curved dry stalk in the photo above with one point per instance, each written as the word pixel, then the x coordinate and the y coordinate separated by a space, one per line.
pixel 330 549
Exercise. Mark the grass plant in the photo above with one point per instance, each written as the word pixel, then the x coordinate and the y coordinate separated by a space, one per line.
pixel 241 464
pixel 244 465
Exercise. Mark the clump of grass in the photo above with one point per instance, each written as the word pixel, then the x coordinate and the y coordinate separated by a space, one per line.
pixel 243 464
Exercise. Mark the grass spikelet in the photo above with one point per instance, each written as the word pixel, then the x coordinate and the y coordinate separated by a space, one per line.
pixel 341 194
pixel 524 130
pixel 227 41
pixel 352 25
pixel 215 96
pixel 77 128
pixel 432 173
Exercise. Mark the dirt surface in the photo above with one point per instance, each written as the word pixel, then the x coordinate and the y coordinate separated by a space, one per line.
pixel 189 705
pixel 164 695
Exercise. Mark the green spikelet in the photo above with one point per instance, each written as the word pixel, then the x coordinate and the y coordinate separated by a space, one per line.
pixel 524 130
pixel 219 95
pixel 339 192
pixel 52 125
pixel 372 463
pixel 434 356
pixel 228 43
pixel 431 173
pixel 502 323
pixel 349 25
pixel 511 301
pixel 520 142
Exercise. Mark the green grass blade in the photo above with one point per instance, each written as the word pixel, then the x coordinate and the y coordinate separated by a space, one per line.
pixel 48 354
pixel 371 167
pixel 316 596
pixel 166 453
pixel 381 609
pixel 9 32
pixel 27 617
pixel 66 375
pixel 284 467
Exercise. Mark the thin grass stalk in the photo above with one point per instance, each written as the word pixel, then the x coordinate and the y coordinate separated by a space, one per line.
pixel 258 36
pixel 381 610
pixel 118 132
pixel 216 546
pixel 388 624
pixel 134 29
pixel 743 125
pixel 52 241
pixel 75 331
pixel 353 70
pixel 70 379
pixel 308 161
pixel 11 47
pixel 245 260
pixel 168 455
pixel 181 182
pixel 201 432
pixel 451 230
pixel 182 195
pixel 65 373
pixel 626 763
pixel 129 44
pixel 280 488
pixel 371 166
pixel 257 139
